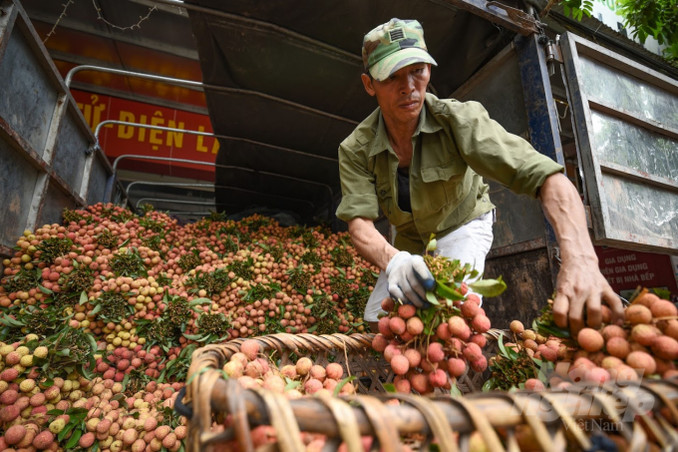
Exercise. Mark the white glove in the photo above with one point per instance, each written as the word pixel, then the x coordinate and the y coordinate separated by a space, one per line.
pixel 409 278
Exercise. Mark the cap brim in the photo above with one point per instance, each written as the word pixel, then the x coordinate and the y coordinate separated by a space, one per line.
pixel 398 60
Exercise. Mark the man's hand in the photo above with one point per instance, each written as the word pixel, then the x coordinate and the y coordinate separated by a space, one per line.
pixel 581 288
pixel 580 291
pixel 409 278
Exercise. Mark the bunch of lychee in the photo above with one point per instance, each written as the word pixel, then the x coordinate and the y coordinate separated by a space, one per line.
pixel 429 348
pixel 304 376
pixel 645 345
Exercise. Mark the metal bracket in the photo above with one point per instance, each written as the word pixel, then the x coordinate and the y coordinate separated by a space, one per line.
pixel 93 149
pixel 553 52
pixel 553 56
pixel 512 19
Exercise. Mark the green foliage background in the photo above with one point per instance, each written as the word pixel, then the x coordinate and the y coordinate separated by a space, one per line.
pixel 646 18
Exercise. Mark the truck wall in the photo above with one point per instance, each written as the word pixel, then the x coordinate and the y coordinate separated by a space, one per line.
pixel 45 161
pixel 519 253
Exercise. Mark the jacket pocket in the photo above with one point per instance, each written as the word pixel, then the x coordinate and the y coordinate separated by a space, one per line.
pixel 443 185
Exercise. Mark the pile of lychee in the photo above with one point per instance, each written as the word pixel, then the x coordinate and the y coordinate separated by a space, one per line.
pixel 304 376
pixel 74 413
pixel 431 347
pixel 252 368
pixel 644 346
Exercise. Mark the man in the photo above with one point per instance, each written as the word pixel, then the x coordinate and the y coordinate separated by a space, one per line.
pixel 423 160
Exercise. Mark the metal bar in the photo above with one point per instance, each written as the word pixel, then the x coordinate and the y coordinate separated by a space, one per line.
pixel 542 120
pixel 539 104
pixel 202 86
pixel 164 184
pixel 199 213
pixel 198 162
pixel 173 184
pixel 198 86
pixel 641 178
pixel 268 195
pixel 208 134
pixel 590 172
pixel 213 187
pixel 634 119
pixel 512 19
pixel 174 201
pixel 227 187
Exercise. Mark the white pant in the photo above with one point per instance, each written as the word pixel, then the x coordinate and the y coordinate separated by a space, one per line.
pixel 470 244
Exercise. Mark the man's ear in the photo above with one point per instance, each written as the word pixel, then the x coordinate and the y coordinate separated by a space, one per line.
pixel 367 83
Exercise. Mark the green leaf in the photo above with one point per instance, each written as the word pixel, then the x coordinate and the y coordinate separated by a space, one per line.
pixel 488 287
pixel 500 344
pixel 9 321
pixel 83 298
pixel 431 298
pixel 66 430
pixel 432 245
pixel 389 387
pixel 291 384
pixel 488 385
pixel 512 354
pixel 551 330
pixel 73 440
pixel 45 290
pixel 86 373
pixel 445 291
pixel 92 343
pixel 197 301
pixel 125 381
pixel 337 388
pixel 454 391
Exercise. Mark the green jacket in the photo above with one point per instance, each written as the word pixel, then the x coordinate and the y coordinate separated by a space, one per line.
pixel 456 145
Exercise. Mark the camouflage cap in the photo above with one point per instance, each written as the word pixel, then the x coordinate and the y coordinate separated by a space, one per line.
pixel 394 45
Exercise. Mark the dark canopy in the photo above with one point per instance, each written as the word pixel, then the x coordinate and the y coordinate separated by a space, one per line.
pixel 284 87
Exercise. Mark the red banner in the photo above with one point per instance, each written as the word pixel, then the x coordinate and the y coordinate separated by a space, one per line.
pixel 125 139
pixel 626 270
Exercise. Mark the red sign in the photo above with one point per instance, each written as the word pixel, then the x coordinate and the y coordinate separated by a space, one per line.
pixel 626 270
pixel 127 139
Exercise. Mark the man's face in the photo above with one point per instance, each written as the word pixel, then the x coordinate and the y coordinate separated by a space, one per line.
pixel 401 96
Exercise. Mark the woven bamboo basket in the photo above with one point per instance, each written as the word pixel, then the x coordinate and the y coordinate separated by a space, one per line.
pixel 222 414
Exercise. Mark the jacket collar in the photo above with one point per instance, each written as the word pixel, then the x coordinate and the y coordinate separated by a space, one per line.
pixel 427 124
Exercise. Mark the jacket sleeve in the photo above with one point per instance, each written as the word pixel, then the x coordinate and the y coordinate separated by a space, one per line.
pixel 359 198
pixel 497 154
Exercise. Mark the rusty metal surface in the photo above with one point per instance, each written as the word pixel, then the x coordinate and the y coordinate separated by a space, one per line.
pixel 16 191
pixel 27 97
pixel 43 167
pixel 529 286
pixel 70 150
